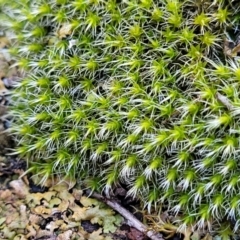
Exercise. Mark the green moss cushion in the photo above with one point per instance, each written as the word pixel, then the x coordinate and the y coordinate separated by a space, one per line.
pixel 139 92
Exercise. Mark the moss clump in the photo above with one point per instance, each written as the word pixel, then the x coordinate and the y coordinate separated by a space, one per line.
pixel 133 91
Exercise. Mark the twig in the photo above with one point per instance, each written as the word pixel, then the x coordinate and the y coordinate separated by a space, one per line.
pixel 132 221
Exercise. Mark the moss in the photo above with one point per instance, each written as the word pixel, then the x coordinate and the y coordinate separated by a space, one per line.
pixel 126 91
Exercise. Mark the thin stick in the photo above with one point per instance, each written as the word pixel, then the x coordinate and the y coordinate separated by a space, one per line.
pixel 131 220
